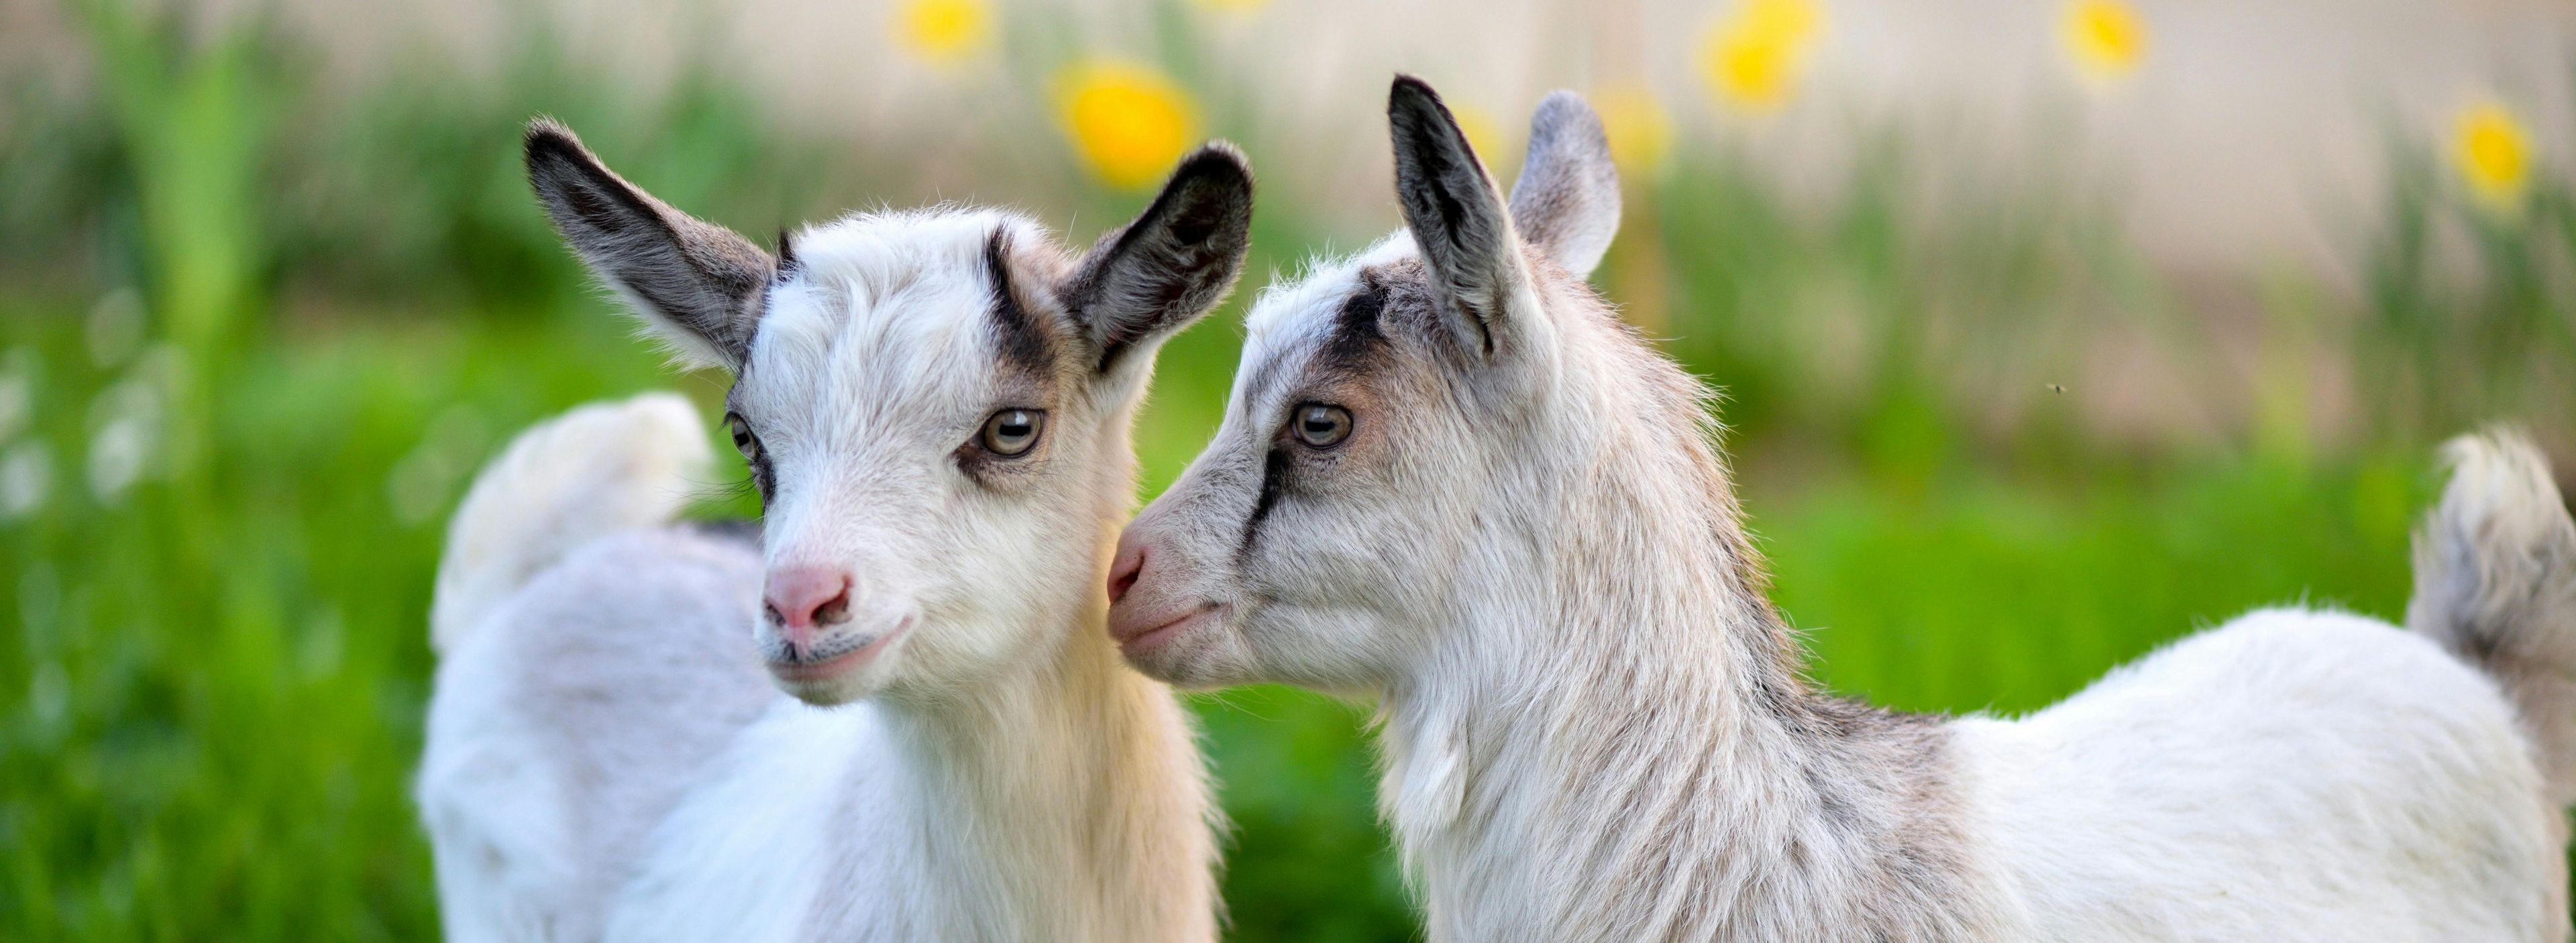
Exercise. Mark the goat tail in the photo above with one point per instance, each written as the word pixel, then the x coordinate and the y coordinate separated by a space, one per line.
pixel 2495 582
pixel 598 469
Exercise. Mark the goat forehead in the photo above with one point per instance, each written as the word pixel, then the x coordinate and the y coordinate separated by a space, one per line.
pixel 1292 322
pixel 885 317
pixel 1309 303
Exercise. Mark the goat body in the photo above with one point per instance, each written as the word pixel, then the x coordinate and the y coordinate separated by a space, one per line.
pixel 1451 477
pixel 935 408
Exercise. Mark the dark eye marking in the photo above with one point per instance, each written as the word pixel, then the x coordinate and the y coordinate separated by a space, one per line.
pixel 1274 478
pixel 1357 329
pixel 1016 331
pixel 763 477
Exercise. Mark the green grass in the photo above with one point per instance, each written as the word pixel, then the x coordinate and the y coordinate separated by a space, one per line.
pixel 317 314
pixel 227 750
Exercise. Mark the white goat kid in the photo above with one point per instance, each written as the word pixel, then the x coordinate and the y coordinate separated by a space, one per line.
pixel 1450 477
pixel 936 408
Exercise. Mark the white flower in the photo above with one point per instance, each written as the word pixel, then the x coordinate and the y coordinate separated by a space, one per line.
pixel 117 456
pixel 26 477
pixel 128 419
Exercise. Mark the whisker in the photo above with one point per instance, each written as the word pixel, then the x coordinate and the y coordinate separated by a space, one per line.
pixel 722 492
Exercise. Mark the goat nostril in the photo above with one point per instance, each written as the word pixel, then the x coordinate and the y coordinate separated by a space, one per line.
pixel 800 600
pixel 1123 576
pixel 834 612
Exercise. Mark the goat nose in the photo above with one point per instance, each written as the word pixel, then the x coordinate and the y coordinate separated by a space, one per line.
pixel 802 599
pixel 1124 570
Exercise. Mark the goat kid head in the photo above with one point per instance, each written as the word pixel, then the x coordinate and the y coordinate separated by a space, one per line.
pixel 1391 417
pixel 934 405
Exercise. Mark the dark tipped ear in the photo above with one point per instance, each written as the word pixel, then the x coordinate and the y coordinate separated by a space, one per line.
pixel 1566 203
pixel 1452 207
pixel 698 285
pixel 1173 263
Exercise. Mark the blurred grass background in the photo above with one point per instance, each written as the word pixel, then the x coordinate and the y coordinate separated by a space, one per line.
pixel 260 320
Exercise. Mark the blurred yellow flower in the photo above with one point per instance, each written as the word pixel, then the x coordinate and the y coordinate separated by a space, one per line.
pixel 1794 22
pixel 2105 39
pixel 2494 152
pixel 1128 121
pixel 1754 58
pixel 941 32
pixel 1481 131
pixel 1233 6
pixel 1640 131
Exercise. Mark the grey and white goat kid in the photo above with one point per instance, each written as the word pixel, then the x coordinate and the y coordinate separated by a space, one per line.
pixel 935 407
pixel 1451 478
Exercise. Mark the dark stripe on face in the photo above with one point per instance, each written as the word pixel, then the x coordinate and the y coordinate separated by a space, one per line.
pixel 1021 339
pixel 1274 477
pixel 1357 329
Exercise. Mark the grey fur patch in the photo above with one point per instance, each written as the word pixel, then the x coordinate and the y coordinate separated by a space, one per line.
pixel 701 282
pixel 1565 206
pixel 633 666
pixel 2495 582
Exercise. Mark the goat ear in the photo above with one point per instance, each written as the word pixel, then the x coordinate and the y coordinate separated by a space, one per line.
pixel 696 284
pixel 1171 265
pixel 1566 202
pixel 1453 209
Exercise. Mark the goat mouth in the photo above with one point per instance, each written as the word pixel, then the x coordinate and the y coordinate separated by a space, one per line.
pixel 1156 637
pixel 808 670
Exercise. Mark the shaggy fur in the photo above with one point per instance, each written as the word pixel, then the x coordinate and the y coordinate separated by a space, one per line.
pixel 604 759
pixel 1595 726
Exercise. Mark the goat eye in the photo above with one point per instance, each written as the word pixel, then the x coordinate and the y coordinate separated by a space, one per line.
pixel 1012 431
pixel 743 440
pixel 1321 426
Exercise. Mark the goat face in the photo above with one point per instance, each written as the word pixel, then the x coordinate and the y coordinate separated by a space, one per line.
pixel 934 405
pixel 1392 415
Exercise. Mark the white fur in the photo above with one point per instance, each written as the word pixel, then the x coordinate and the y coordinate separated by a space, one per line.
pixel 595 470
pixel 606 760
pixel 2293 775
pixel 1595 726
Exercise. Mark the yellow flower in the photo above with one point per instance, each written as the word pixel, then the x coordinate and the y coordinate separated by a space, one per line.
pixel 1640 131
pixel 1755 57
pixel 2105 39
pixel 943 32
pixel 2494 152
pixel 1128 121
pixel 1794 22
pixel 1482 133
pixel 1234 6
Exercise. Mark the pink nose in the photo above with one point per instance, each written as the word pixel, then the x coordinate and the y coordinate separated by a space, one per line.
pixel 1129 564
pixel 805 598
